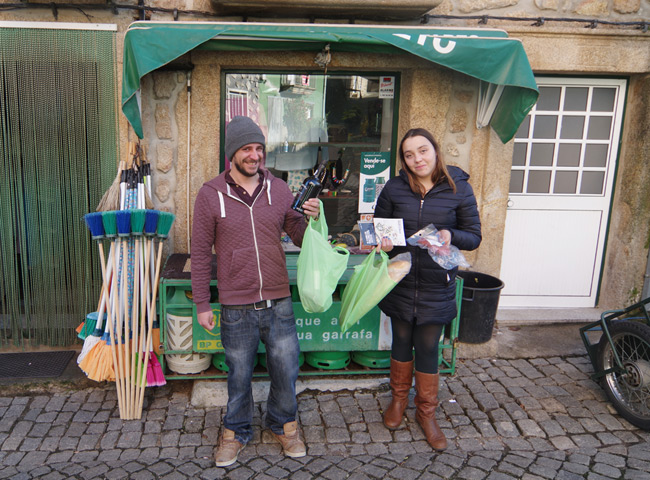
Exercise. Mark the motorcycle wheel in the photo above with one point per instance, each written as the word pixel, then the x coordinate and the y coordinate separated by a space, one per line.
pixel 629 391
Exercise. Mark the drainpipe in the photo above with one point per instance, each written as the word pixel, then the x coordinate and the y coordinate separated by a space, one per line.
pixel 188 174
pixel 645 293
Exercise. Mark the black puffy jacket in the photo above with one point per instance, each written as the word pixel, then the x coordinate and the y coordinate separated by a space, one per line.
pixel 428 291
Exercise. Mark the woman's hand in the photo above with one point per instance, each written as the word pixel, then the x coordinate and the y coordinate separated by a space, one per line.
pixel 312 208
pixel 445 237
pixel 386 245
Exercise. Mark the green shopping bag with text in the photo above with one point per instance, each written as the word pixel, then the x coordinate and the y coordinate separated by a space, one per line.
pixel 370 283
pixel 320 266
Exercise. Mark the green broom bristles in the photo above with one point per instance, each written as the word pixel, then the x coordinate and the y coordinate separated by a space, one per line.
pixel 137 221
pixel 89 326
pixel 109 219
pixel 165 222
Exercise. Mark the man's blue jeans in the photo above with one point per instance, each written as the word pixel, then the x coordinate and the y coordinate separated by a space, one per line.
pixel 241 332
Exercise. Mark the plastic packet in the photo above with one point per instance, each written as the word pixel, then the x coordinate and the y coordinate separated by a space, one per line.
pixel 447 256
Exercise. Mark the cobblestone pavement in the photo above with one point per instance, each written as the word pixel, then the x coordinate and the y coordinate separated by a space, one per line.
pixel 505 419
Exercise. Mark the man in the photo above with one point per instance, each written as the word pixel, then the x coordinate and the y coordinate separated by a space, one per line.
pixel 241 213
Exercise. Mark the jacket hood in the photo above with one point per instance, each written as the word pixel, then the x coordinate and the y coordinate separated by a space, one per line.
pixel 223 189
pixel 219 183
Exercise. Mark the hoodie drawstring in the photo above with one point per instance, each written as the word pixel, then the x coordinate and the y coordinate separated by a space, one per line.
pixel 222 205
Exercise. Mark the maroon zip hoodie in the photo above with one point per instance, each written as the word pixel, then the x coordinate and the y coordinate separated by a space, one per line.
pixel 251 264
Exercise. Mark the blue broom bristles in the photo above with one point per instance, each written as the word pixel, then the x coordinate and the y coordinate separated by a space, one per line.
pixel 123 222
pixel 95 225
pixel 99 326
pixel 151 222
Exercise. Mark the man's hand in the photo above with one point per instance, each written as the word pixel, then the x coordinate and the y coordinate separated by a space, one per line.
pixel 206 320
pixel 312 208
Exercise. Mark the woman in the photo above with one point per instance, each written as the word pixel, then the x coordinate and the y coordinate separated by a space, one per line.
pixel 425 192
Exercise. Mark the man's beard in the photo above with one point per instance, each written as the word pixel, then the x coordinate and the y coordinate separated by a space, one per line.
pixel 239 165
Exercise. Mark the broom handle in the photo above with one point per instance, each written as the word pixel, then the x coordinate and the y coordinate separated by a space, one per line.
pixel 143 318
pixel 153 306
pixel 134 316
pixel 108 268
pixel 107 271
pixel 140 326
pixel 110 317
pixel 142 381
pixel 104 301
pixel 127 321
pixel 143 309
pixel 119 371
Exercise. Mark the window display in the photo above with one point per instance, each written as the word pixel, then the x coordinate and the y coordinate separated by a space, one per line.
pixel 336 122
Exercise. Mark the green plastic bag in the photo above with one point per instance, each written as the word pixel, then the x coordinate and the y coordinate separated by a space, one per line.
pixel 370 283
pixel 320 266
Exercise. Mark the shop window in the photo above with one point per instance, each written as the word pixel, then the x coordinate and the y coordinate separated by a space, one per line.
pixel 344 122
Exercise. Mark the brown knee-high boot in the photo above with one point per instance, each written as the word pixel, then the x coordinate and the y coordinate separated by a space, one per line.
pixel 426 402
pixel 401 378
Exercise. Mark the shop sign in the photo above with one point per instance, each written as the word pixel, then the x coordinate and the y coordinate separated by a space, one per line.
pixel 317 332
pixel 387 87
pixel 374 173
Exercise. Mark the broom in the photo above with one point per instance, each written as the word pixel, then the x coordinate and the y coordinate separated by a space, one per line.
pixel 123 231
pixel 111 199
pixel 89 333
pixel 140 372
pixel 137 229
pixel 94 342
pixel 97 364
pixel 145 169
pixel 155 375
pixel 150 227
pixel 165 222
pixel 96 227
pixel 105 359
pixel 109 220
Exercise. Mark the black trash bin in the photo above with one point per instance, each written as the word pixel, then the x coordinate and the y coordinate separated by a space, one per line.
pixel 479 306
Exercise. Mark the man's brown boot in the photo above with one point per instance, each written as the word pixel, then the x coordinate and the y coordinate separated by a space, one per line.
pixel 228 449
pixel 426 402
pixel 401 378
pixel 291 442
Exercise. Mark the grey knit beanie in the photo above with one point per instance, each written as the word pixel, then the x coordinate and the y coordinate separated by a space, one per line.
pixel 242 131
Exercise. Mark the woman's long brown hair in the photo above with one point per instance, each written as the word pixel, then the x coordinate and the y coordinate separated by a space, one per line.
pixel 440 171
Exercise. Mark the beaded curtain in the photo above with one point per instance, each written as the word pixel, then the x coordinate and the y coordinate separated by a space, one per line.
pixel 58 154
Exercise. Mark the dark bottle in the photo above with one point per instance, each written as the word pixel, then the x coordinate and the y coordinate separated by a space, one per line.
pixel 310 188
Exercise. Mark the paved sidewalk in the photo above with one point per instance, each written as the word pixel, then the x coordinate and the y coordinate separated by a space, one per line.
pixel 505 419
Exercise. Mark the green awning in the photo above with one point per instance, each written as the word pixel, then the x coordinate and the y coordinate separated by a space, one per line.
pixel 486 54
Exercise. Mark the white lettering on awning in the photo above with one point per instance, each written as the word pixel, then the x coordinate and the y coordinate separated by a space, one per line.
pixel 437 41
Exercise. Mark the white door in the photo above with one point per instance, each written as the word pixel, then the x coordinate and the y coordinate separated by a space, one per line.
pixel 560 190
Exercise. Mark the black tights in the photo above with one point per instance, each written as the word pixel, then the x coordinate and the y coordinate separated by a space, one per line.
pixel 423 338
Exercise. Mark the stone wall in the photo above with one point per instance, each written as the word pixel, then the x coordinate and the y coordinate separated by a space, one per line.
pixel 622 10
